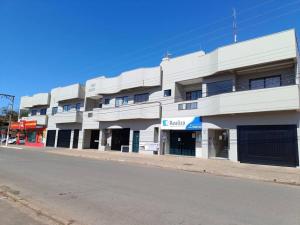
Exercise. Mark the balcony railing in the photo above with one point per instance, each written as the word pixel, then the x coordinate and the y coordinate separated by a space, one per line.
pixel 40 119
pixel 260 100
pixel 66 117
pixel 151 110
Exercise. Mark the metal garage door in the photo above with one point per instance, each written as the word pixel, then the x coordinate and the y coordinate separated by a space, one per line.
pixel 64 138
pixel 50 142
pixel 268 144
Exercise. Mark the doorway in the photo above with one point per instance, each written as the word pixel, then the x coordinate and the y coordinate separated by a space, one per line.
pixel 119 137
pixel 183 142
pixel 94 143
pixel 136 141
pixel 218 143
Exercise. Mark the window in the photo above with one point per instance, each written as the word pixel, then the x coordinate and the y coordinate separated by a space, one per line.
pixel 43 111
pixel 77 106
pixel 54 110
pixel 193 95
pixel 188 106
pixel 219 87
pixel 106 101
pixel 167 93
pixel 141 98
pixel 66 108
pixel 121 101
pixel 33 112
pixel 265 82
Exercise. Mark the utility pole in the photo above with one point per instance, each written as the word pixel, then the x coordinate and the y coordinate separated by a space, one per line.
pixel 234 25
pixel 11 99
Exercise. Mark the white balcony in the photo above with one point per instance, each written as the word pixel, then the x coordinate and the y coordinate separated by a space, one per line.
pixel 139 78
pixel 66 117
pixel 75 91
pixel 134 111
pixel 40 99
pixel 40 119
pixel 262 100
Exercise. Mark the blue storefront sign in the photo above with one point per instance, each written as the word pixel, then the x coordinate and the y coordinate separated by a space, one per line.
pixel 181 123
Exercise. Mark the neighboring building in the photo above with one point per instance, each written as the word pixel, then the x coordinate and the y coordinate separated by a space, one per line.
pixel 123 112
pixel 243 100
pixel 65 117
pixel 33 127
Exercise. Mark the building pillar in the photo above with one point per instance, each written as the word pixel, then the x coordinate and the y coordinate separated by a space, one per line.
pixel 81 139
pixel 130 140
pixel 298 138
pixel 204 90
pixel 204 152
pixel 102 145
pixel 233 151
pixel 56 137
pixel 71 139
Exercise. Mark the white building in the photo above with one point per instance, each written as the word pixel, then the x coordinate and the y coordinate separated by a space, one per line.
pixel 243 97
pixel 65 117
pixel 239 102
pixel 123 112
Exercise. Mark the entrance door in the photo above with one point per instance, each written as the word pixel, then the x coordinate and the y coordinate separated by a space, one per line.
pixel 136 141
pixel 50 142
pixel 94 139
pixel 64 138
pixel 119 137
pixel 183 142
pixel 75 138
pixel 269 144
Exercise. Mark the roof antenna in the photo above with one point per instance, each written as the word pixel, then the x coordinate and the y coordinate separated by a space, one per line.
pixel 234 25
pixel 167 55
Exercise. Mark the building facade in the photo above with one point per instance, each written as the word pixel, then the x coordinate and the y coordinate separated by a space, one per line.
pixel 239 102
pixel 33 127
pixel 65 117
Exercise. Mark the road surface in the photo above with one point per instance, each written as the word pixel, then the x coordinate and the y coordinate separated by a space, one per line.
pixel 114 193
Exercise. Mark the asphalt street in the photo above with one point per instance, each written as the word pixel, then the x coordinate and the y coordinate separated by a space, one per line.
pixel 106 192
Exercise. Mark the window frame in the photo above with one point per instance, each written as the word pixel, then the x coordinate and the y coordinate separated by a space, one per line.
pixel 33 112
pixel 42 111
pixel 167 92
pixel 122 102
pixel 191 95
pixel 139 95
pixel 264 81
pixel 106 101
pixel 208 94
pixel 76 106
pixel 54 110
pixel 66 108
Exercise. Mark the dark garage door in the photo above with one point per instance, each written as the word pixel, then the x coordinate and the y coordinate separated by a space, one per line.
pixel 270 144
pixel 50 142
pixel 64 138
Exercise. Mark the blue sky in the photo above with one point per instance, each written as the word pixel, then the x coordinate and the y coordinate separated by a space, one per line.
pixel 51 43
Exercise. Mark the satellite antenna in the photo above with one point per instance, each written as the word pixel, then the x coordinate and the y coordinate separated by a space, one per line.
pixel 234 25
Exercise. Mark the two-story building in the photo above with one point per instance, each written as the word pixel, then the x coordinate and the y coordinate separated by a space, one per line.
pixel 33 127
pixel 123 113
pixel 65 116
pixel 239 102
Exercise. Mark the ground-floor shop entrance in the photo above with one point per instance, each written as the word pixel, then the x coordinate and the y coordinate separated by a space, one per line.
pixel 268 144
pixel 218 143
pixel 64 138
pixel 50 142
pixel 120 137
pixel 94 141
pixel 182 142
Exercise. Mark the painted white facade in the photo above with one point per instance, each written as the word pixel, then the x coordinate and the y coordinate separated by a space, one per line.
pixel 222 80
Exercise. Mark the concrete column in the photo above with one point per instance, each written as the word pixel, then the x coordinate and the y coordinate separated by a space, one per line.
pixel 71 139
pixel 56 137
pixel 298 138
pixel 204 90
pixel 81 139
pixel 130 140
pixel 233 151
pixel 204 152
pixel 101 146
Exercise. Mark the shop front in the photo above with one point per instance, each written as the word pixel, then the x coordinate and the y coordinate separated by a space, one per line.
pixel 181 136
pixel 29 133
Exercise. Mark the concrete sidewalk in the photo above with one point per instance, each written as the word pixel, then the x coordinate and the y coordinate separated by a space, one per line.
pixel 220 167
